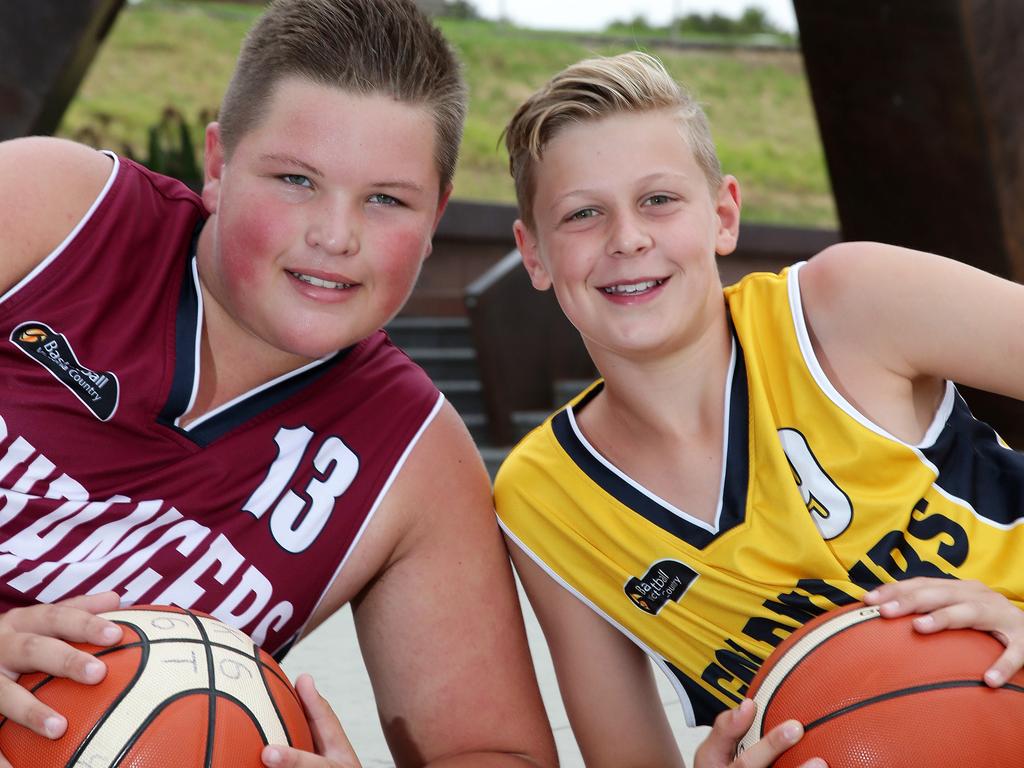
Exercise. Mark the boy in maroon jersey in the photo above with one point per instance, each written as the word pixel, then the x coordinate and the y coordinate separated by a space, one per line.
pixel 197 405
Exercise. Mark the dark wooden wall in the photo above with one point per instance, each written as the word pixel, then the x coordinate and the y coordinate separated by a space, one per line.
pixel 45 49
pixel 920 104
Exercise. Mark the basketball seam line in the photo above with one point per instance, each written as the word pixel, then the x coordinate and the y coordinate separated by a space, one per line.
pixel 906 692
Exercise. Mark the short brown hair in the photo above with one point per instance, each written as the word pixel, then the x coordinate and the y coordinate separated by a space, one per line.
pixel 593 89
pixel 363 46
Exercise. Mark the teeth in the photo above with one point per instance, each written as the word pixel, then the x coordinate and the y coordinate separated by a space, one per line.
pixel 621 290
pixel 318 282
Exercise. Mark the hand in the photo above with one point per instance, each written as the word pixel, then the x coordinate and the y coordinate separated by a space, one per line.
pixel 36 639
pixel 955 604
pixel 718 750
pixel 333 749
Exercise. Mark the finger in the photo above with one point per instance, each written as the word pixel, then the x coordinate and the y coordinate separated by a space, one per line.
pixel 24 652
pixel 288 757
pixel 719 746
pixel 1006 666
pixel 69 622
pixel 98 603
pixel 771 745
pixel 328 736
pixel 992 613
pixel 17 704
pixel 922 595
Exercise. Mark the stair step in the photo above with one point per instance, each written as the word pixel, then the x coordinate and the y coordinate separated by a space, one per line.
pixel 476 423
pixel 465 394
pixel 430 332
pixel 565 390
pixel 493 456
pixel 523 422
pixel 446 363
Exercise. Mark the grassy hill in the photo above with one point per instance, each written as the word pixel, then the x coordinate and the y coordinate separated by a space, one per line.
pixel 177 53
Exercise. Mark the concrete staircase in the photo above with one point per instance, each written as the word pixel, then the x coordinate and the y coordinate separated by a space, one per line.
pixel 443 346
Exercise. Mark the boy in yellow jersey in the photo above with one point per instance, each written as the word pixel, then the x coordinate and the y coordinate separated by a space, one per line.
pixel 198 406
pixel 751 457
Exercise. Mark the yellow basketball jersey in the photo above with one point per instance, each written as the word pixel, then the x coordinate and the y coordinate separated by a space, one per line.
pixel 817 505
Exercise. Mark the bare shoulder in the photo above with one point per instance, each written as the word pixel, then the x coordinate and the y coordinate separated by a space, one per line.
pixel 441 491
pixel 445 480
pixel 48 186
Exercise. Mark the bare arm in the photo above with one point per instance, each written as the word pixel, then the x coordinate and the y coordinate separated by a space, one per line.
pixel 46 186
pixel 605 680
pixel 440 628
pixel 891 323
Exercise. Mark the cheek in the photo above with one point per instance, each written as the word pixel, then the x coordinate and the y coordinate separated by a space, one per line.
pixel 401 255
pixel 247 239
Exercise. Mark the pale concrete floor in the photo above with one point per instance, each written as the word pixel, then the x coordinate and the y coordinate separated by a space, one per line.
pixel 331 655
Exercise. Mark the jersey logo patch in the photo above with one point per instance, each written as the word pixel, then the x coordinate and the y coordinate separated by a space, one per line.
pixel 665 580
pixel 98 390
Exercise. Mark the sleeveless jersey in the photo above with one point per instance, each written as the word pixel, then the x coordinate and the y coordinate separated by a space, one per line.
pixel 817 505
pixel 250 511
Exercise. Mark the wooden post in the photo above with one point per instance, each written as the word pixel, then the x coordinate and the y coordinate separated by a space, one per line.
pixel 920 104
pixel 47 46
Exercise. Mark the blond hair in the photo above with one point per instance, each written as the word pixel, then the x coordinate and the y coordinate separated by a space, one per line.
pixel 590 90
pixel 366 47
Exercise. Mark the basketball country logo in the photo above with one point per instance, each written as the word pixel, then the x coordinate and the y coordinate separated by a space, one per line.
pixel 665 580
pixel 98 390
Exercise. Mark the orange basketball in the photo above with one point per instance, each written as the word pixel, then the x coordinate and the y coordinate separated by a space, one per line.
pixel 182 689
pixel 872 692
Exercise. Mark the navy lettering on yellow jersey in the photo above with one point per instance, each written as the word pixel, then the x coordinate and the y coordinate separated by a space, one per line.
pixel 817 505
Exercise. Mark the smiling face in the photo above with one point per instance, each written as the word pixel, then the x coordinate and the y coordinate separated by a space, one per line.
pixel 320 220
pixel 626 232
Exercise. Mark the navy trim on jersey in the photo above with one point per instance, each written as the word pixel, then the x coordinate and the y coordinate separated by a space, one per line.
pixel 975 467
pixel 213 428
pixel 184 339
pixel 737 469
pixel 705 706
pixel 180 396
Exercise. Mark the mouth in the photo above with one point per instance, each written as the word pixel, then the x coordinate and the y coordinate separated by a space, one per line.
pixel 632 289
pixel 320 282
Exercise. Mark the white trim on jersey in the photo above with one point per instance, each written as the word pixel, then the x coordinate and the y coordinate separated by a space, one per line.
pixel 244 396
pixel 373 510
pixel 931 434
pixel 684 700
pixel 71 235
pixel 826 386
pixel 194 268
pixel 682 514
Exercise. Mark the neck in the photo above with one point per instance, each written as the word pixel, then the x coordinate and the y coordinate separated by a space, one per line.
pixel 674 397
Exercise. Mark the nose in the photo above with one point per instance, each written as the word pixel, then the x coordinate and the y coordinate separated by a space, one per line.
pixel 629 237
pixel 334 229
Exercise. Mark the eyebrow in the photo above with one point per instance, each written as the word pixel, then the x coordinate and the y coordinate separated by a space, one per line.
pixel 648 179
pixel 399 184
pixel 386 184
pixel 292 160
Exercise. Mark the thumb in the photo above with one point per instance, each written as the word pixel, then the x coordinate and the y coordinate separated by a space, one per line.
pixel 719 747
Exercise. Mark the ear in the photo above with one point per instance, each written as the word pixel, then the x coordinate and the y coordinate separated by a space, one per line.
pixel 442 204
pixel 727 206
pixel 527 244
pixel 213 167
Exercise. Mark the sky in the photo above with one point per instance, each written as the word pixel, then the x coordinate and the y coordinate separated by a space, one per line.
pixel 596 14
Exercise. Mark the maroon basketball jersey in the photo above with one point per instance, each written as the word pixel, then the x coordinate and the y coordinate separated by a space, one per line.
pixel 249 512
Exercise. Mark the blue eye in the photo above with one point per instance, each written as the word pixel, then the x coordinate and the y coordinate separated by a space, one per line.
pixel 585 213
pixel 381 199
pixel 295 179
pixel 657 200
